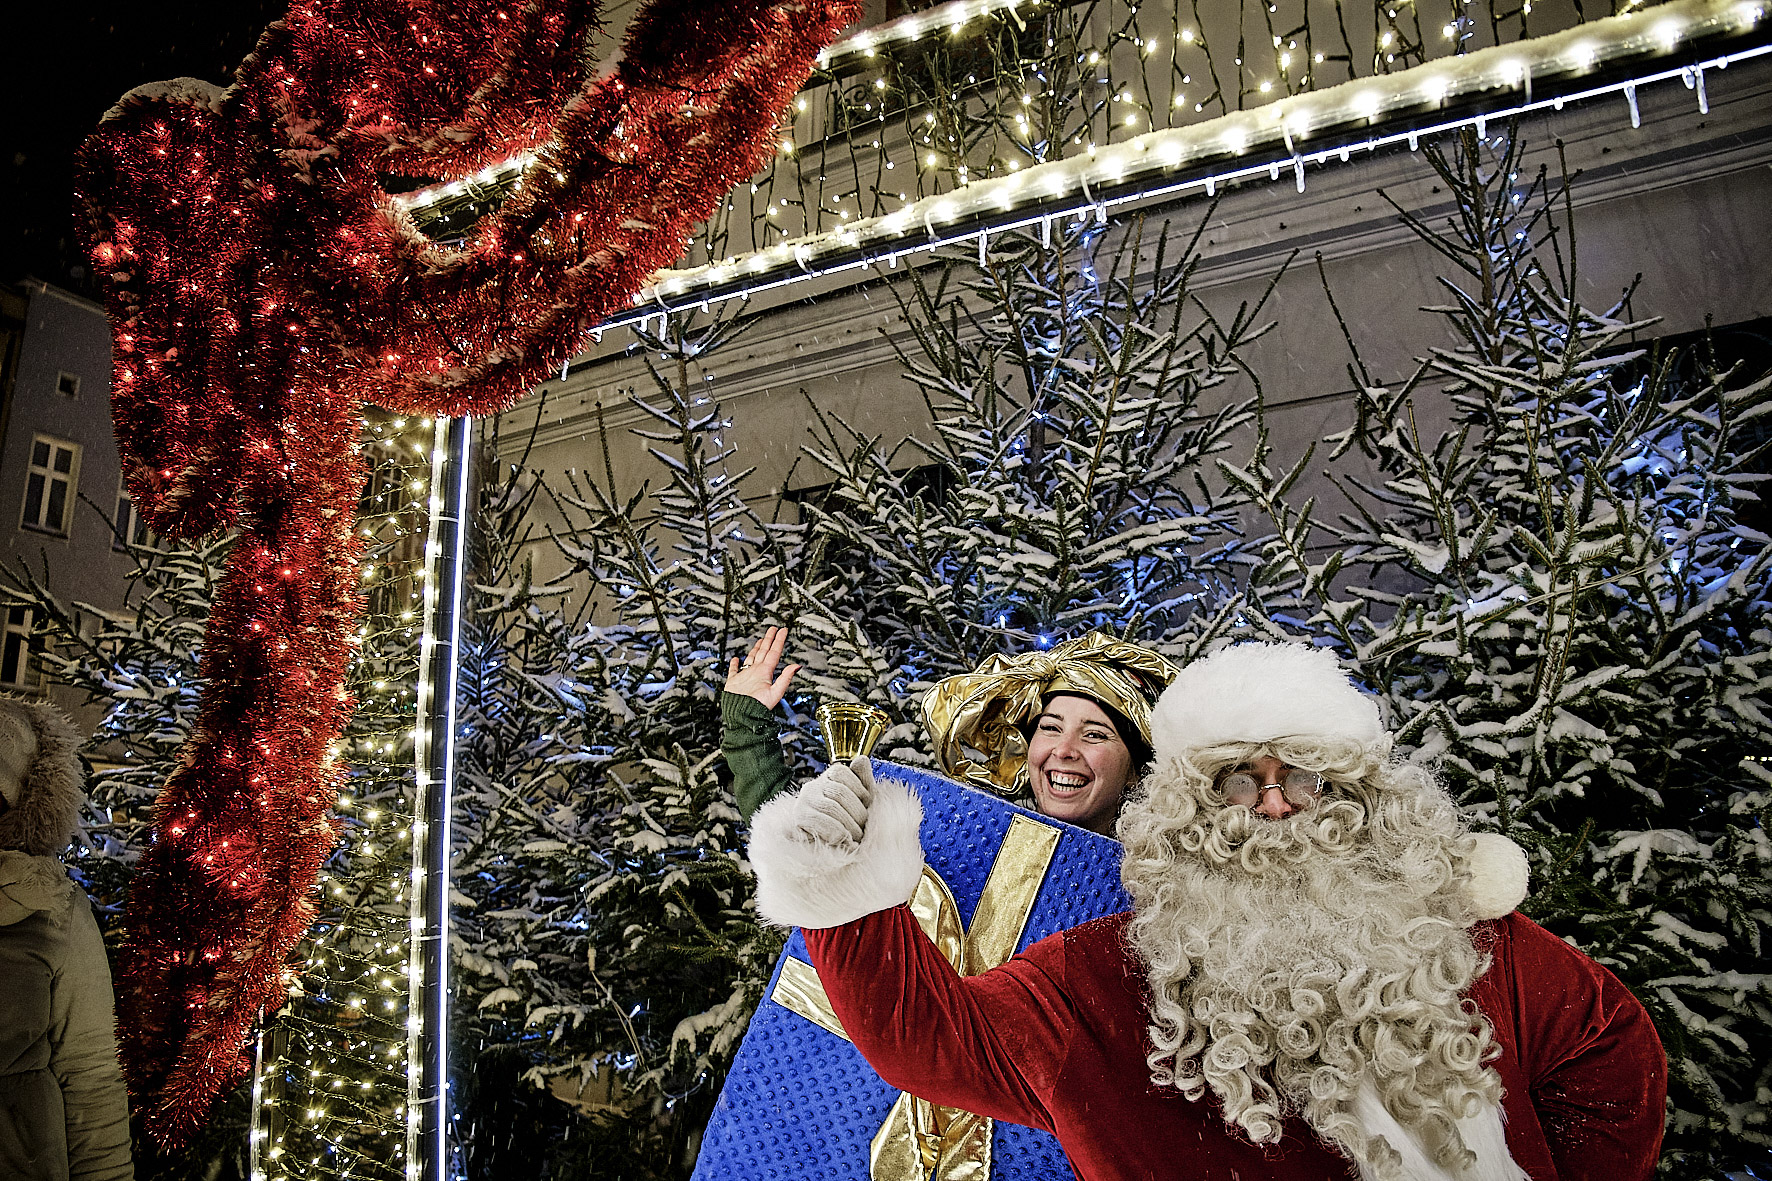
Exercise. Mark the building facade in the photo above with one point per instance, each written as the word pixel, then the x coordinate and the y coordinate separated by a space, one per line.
pixel 64 512
pixel 1674 209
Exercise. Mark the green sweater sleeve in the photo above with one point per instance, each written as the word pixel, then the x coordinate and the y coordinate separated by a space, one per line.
pixel 750 738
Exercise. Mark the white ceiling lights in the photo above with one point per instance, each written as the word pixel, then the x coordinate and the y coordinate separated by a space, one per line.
pixel 1488 85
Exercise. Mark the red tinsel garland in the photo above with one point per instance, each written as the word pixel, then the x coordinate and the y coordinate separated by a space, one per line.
pixel 262 286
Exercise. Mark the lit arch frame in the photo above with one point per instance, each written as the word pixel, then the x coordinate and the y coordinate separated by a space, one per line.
pixel 427 1028
pixel 1681 41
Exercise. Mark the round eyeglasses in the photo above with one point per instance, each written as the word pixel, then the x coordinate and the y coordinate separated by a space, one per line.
pixel 1300 787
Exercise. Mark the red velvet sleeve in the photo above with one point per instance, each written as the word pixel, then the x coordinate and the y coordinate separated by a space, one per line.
pixel 1595 1068
pixel 991 1044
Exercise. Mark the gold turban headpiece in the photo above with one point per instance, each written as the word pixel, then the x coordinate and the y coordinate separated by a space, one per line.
pixel 985 711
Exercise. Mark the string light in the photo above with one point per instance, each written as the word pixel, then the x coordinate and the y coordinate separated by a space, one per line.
pixel 329 1086
pixel 1143 168
pixel 974 134
pixel 901 47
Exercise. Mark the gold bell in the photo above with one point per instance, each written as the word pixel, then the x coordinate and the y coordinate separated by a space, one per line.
pixel 850 728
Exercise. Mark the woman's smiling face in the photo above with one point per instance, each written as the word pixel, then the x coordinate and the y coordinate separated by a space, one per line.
pixel 1078 764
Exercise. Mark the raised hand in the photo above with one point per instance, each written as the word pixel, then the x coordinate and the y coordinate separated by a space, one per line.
pixel 755 675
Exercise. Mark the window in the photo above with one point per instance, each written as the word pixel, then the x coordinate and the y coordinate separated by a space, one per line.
pixel 67 384
pixel 127 528
pixel 15 651
pixel 50 484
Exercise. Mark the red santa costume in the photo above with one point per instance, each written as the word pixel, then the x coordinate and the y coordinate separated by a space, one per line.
pixel 1340 993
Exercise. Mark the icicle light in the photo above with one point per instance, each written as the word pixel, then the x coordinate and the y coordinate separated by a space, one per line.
pixel 1280 140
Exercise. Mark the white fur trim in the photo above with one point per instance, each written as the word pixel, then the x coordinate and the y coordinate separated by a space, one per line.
pixel 1482 1134
pixel 1257 692
pixel 1498 875
pixel 803 883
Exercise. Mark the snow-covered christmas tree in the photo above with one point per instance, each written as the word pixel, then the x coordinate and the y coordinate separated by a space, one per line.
pixel 1076 399
pixel 610 960
pixel 611 954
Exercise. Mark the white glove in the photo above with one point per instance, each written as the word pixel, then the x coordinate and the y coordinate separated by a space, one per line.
pixel 833 809
pixel 839 848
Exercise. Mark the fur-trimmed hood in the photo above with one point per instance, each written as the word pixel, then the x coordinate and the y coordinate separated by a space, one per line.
pixel 43 820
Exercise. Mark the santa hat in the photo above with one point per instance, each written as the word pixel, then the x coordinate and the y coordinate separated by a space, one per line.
pixel 1259 692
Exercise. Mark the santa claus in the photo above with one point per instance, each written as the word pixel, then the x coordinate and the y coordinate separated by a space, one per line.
pixel 1323 975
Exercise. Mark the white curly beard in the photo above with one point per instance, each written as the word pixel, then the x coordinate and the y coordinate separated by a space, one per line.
pixel 1314 966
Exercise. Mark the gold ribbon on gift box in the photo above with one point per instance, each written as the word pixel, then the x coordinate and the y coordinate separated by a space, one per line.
pixel 920 1141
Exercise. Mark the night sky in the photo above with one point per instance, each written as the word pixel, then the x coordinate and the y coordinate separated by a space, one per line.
pixel 63 63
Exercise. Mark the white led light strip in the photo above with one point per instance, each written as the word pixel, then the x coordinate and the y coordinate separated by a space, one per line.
pixel 255 1151
pixel 950 18
pixel 1136 170
pixel 427 1033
